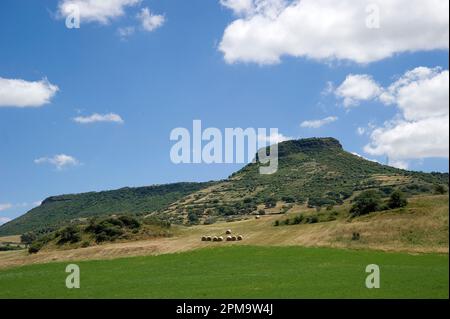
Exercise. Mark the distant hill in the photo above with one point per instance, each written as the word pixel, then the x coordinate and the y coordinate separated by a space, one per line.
pixel 314 172
pixel 57 210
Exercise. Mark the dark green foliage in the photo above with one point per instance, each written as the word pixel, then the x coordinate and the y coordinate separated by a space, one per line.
pixel 397 200
pixel 276 223
pixel 366 202
pixel 270 202
pixel 69 234
pixel 58 210
pixel 193 218
pixel 298 220
pixel 28 238
pixel 440 189
pixel 106 230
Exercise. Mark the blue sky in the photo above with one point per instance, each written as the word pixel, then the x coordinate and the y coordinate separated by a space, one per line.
pixel 162 79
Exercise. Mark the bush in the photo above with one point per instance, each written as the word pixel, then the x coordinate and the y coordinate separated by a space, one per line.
pixel 28 238
pixel 440 189
pixel 298 220
pixel 270 202
pixel 69 234
pixel 312 219
pixel 130 222
pixel 35 247
pixel 397 200
pixel 366 202
pixel 276 223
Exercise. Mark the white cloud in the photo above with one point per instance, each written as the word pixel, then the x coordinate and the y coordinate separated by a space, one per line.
pixel 102 11
pixel 363 157
pixel 94 118
pixel 399 164
pixel 421 129
pixel 21 93
pixel 361 130
pixel 4 220
pixel 60 161
pixel 319 123
pixel 356 88
pixel 266 30
pixel 125 32
pixel 273 138
pixel 149 21
pixel 5 206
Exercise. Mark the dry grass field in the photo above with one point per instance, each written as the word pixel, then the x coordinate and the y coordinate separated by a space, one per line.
pixel 421 227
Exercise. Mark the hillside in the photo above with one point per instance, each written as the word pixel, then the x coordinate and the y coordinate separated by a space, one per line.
pixel 314 172
pixel 420 227
pixel 57 210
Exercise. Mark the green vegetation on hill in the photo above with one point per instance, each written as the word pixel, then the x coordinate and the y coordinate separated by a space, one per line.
pixel 238 272
pixel 58 210
pixel 96 231
pixel 315 171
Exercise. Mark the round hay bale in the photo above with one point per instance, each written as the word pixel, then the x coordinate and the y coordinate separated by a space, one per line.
pixel 220 238
pixel 228 238
pixel 233 238
pixel 240 237
pixel 228 231
pixel 208 238
pixel 215 238
pixel 203 238
pixel 258 217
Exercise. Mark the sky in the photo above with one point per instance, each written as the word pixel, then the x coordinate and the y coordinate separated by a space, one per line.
pixel 91 108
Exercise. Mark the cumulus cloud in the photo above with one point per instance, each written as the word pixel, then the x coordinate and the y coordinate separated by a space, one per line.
pixel 318 123
pixel 21 93
pixel 60 161
pixel 102 11
pixel 421 129
pixel 4 220
pixel 266 30
pixel 149 21
pixel 94 118
pixel 356 88
pixel 5 206
pixel 399 164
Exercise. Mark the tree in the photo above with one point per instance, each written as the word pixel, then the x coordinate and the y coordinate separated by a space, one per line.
pixel 366 202
pixel 28 238
pixel 270 202
pixel 440 189
pixel 397 200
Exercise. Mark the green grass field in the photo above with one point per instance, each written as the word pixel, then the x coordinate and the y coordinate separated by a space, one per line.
pixel 238 272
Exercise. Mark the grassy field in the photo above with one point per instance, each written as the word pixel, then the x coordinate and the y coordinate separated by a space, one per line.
pixel 238 272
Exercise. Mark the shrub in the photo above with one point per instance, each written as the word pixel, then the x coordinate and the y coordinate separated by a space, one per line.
pixel 397 200
pixel 69 234
pixel 28 238
pixel 130 222
pixel 298 220
pixel 312 219
pixel 270 202
pixel 276 223
pixel 366 202
pixel 440 189
pixel 35 247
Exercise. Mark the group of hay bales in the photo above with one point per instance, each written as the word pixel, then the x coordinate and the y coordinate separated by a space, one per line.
pixel 230 237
